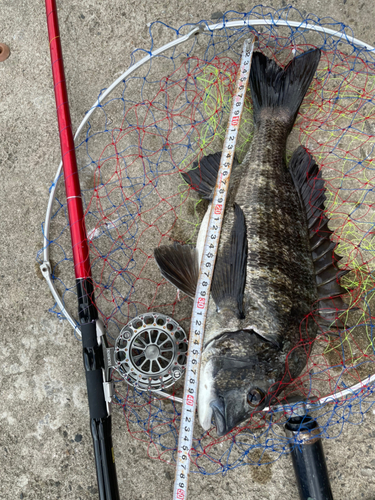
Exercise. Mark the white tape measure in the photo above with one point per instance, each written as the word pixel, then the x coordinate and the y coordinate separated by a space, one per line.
pixel 200 307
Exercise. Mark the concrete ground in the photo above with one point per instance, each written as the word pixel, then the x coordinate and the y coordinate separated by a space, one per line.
pixel 46 449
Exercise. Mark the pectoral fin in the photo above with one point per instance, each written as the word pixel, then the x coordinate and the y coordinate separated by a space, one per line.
pixel 229 277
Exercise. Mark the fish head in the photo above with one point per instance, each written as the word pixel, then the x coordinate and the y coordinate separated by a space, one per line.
pixel 237 372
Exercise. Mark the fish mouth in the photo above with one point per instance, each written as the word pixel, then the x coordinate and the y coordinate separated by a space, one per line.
pixel 218 409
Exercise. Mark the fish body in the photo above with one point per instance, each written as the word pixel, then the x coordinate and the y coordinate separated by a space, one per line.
pixel 267 277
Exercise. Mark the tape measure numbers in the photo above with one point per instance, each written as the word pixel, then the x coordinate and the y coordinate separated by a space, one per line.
pixel 200 307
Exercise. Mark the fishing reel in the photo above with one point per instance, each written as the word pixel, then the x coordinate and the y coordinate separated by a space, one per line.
pixel 151 352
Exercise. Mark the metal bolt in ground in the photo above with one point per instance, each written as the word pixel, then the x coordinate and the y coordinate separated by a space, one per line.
pixel 4 52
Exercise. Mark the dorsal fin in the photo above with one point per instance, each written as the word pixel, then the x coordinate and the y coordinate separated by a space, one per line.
pixel 309 183
pixel 229 277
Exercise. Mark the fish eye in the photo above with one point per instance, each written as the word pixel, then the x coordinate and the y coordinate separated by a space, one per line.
pixel 255 396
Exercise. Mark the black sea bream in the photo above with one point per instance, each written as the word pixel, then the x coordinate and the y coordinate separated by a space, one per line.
pixel 275 261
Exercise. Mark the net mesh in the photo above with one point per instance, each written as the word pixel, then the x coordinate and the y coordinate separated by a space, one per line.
pixel 172 111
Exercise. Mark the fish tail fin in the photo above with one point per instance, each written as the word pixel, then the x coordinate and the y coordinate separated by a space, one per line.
pixel 281 88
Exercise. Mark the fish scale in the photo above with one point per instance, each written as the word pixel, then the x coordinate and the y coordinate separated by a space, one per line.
pixel 279 262
pixel 280 279
pixel 269 289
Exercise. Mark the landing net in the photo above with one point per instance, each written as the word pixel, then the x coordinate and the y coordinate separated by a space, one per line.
pixel 161 118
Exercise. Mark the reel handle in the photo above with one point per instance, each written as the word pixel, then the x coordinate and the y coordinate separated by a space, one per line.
pixel 100 419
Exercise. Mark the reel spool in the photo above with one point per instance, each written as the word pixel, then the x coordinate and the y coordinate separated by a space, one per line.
pixel 150 352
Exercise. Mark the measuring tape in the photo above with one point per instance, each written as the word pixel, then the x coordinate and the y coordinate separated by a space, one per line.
pixel 200 307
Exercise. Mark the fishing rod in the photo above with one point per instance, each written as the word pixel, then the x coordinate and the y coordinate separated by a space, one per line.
pixel 99 387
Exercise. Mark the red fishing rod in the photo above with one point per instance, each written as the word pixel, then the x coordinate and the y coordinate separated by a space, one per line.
pixel 92 331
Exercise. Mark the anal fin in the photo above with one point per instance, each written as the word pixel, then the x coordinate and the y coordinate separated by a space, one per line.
pixel 203 175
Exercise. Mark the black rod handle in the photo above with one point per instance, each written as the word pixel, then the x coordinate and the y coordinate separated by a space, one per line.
pixel 104 459
pixel 100 420
pixel 308 459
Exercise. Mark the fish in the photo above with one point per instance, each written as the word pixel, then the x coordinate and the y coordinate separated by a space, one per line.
pixel 276 279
